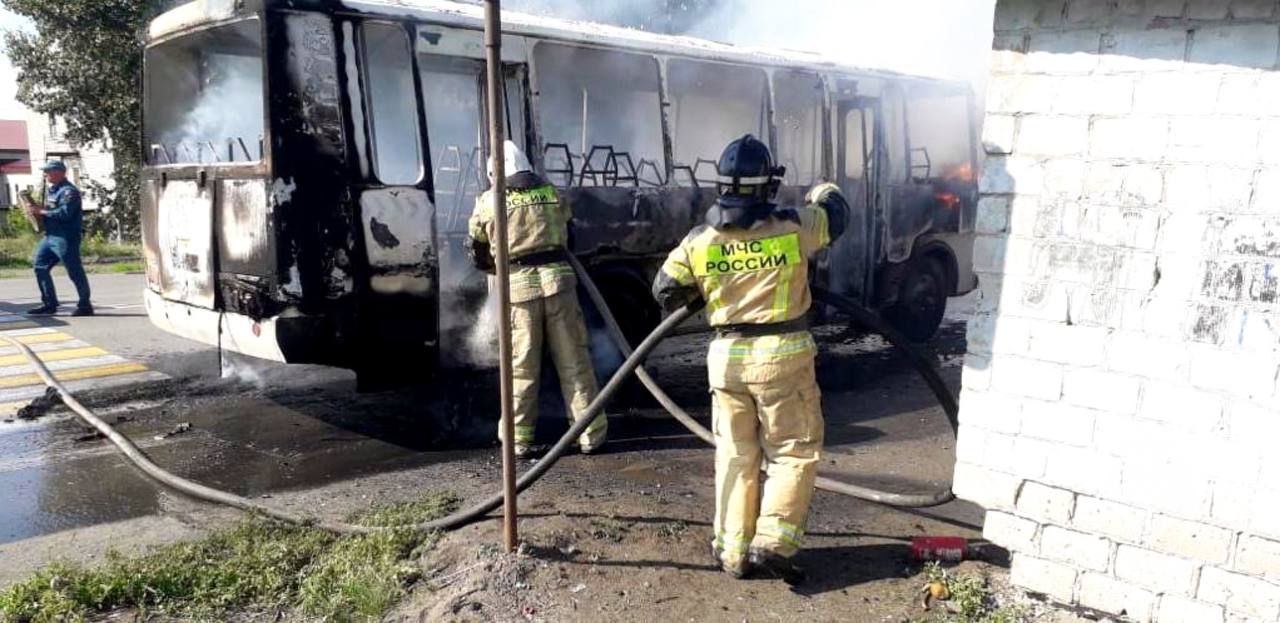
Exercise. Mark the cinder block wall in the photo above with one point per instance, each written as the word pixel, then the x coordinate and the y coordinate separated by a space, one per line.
pixel 1120 418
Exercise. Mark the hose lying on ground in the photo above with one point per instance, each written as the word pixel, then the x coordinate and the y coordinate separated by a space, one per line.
pixel 918 360
pixel 462 517
pixel 631 365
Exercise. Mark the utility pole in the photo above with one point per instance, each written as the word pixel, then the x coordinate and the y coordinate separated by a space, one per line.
pixel 493 50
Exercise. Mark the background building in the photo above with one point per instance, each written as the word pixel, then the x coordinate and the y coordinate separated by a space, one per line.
pixel 16 173
pixel 85 163
pixel 1120 409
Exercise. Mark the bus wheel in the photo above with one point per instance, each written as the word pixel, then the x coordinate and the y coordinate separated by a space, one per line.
pixel 922 299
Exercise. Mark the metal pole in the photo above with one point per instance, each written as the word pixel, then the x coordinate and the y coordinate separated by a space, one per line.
pixel 493 48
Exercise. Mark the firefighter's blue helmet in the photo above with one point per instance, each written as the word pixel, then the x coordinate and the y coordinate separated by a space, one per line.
pixel 745 174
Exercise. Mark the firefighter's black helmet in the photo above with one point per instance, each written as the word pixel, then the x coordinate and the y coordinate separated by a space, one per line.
pixel 746 175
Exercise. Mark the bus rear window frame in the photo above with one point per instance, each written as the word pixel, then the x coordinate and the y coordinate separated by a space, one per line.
pixel 260 167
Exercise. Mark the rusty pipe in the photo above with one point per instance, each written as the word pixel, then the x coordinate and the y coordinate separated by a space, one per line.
pixel 493 69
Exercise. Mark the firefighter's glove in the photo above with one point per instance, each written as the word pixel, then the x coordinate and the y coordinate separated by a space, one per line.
pixel 480 255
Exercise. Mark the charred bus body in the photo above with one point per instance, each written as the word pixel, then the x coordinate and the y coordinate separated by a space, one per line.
pixel 312 165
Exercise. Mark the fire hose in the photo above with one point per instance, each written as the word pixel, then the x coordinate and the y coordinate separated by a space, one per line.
pixel 860 314
pixel 632 365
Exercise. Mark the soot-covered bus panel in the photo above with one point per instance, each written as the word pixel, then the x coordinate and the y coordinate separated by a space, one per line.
pixel 310 174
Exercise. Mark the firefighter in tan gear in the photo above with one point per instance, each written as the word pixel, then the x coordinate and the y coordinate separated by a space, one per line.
pixel 749 264
pixel 544 300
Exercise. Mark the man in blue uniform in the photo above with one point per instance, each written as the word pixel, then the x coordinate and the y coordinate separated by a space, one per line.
pixel 63 226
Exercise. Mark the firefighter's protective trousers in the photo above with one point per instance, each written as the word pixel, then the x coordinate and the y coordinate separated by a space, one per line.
pixel 556 321
pixel 544 303
pixel 777 420
pixel 766 405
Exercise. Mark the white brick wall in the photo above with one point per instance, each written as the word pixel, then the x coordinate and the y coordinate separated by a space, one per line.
pixel 1121 408
pixel 1156 571
pixel 1105 593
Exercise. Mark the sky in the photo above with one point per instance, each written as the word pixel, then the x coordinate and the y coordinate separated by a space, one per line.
pixel 9 106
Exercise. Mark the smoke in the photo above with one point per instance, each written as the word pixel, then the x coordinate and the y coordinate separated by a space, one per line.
pixel 243 369
pixel 205 102
pixel 229 107
pixel 468 317
pixel 944 38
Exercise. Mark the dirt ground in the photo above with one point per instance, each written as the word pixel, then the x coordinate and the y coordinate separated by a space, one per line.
pixel 618 536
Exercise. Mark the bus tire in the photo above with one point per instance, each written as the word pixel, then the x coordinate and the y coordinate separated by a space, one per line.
pixel 921 301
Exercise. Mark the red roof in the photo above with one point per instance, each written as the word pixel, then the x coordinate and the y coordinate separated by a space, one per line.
pixel 21 166
pixel 13 135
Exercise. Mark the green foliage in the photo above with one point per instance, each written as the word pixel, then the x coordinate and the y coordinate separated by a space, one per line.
pixel 970 599
pixel 83 63
pixel 257 566
pixel 15 225
pixel 17 251
pixel 408 513
pixel 254 563
pixel 359 578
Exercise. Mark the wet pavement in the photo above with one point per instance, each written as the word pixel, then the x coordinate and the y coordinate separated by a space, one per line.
pixel 268 430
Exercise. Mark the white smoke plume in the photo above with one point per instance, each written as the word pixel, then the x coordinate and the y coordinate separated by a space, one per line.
pixel 243 369
pixel 229 108
pixel 945 38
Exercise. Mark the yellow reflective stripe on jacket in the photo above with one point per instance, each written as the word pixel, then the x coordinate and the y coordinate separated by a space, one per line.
pixel 524 433
pixel 782 530
pixel 679 272
pixel 782 295
pixel 824 231
pixel 714 302
pixel 747 256
pixel 762 349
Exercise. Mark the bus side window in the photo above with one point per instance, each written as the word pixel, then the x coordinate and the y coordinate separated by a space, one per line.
pixel 392 104
pixel 516 108
pixel 938 127
pixel 895 136
pixel 711 105
pixel 451 97
pixel 798 101
pixel 593 104
pixel 859 129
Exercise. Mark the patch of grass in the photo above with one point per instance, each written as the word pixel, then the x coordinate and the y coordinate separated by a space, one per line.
pixel 970 599
pixel 406 513
pixel 16 251
pixel 95 248
pixel 125 267
pixel 360 578
pixel 673 529
pixel 608 530
pixel 257 566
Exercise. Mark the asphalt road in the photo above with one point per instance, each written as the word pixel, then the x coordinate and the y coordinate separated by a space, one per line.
pixel 120 326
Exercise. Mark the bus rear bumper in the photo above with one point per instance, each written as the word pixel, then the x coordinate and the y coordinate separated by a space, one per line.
pixel 234 332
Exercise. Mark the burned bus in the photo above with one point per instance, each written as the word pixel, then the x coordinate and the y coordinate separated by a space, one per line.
pixel 311 166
